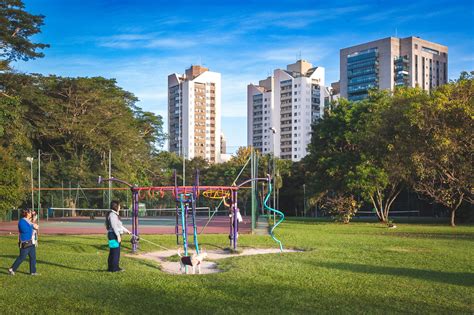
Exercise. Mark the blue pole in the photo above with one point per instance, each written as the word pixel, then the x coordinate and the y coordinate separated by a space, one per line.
pixel 183 225
pixel 195 237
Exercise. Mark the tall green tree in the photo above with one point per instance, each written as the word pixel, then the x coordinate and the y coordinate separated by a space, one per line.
pixel 76 121
pixel 443 162
pixel 362 148
pixel 16 28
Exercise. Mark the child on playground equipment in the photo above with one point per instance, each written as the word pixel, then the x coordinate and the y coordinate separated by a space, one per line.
pixel 115 229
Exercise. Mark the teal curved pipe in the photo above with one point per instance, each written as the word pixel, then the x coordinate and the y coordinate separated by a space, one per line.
pixel 281 214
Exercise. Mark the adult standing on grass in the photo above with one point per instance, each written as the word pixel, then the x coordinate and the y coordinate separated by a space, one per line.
pixel 26 231
pixel 115 229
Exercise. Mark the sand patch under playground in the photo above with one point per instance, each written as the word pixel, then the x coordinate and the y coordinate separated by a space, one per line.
pixel 208 266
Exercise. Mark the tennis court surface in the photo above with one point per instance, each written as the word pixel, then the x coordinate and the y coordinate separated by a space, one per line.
pixel 147 225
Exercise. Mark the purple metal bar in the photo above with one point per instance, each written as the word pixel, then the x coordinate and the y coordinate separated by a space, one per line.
pixel 236 222
pixel 185 232
pixel 135 218
pixel 176 230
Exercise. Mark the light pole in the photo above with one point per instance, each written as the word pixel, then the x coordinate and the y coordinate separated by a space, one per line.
pixel 304 200
pixel 273 169
pixel 30 159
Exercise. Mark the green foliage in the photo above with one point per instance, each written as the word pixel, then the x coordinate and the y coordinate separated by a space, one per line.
pixel 16 28
pixel 443 160
pixel 12 181
pixel 76 121
pixel 341 208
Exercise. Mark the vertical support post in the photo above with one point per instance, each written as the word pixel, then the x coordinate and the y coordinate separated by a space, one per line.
pixel 62 194
pixel 194 196
pixel 254 185
pixel 231 220
pixel 184 214
pixel 135 216
pixel 195 237
pixel 176 228
pixel 110 176
pixel 39 186
pixel 236 222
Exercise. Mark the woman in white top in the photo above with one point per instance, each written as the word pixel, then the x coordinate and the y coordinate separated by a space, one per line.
pixel 115 229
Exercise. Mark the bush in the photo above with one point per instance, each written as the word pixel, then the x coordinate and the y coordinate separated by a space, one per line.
pixel 341 208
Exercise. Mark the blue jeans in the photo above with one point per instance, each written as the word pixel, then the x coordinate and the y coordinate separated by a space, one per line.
pixel 31 252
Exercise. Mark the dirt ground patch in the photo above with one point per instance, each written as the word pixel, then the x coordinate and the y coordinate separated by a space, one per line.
pixel 209 265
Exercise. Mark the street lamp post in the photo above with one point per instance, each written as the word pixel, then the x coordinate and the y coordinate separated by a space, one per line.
pixel 273 170
pixel 30 159
pixel 304 200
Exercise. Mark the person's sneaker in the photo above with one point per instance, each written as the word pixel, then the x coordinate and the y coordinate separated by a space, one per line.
pixel 121 270
pixel 34 274
pixel 11 272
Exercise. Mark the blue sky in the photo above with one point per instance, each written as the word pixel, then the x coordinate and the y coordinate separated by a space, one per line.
pixel 140 42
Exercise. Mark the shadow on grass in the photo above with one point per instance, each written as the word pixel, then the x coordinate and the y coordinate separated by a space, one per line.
pixel 45 262
pixel 457 278
pixel 391 233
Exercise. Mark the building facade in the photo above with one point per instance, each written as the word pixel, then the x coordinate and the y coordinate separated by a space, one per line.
pixel 282 108
pixel 194 114
pixel 391 62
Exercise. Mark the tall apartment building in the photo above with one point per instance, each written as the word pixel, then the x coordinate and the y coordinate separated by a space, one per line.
pixel 194 114
pixel 281 109
pixel 391 62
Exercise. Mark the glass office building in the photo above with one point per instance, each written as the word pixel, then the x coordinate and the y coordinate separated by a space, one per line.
pixel 362 73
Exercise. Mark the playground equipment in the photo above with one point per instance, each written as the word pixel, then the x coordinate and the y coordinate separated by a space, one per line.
pixel 186 197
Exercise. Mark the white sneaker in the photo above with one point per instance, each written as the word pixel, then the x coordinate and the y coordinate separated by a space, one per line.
pixel 11 272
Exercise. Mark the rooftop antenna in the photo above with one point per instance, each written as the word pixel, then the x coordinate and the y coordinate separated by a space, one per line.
pixel 299 55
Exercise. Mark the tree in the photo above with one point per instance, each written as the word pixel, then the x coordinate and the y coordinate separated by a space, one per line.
pixel 76 121
pixel 444 158
pixel 12 181
pixel 13 144
pixel 151 129
pixel 386 140
pixel 16 28
pixel 362 148
pixel 334 153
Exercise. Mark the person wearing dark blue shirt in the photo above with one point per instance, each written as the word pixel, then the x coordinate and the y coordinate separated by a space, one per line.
pixel 26 241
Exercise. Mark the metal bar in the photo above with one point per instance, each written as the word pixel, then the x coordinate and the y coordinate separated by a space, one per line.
pixel 135 218
pixel 236 223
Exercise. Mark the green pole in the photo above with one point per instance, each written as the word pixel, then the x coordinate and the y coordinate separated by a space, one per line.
pixel 254 185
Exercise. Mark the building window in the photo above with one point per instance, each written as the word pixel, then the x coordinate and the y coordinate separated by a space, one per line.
pixel 416 67
pixel 429 50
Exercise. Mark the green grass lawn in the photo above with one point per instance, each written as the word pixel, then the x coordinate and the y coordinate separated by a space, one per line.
pixel 355 268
